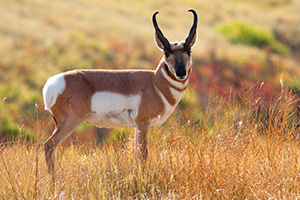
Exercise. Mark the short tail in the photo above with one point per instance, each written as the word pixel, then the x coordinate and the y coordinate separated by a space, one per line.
pixel 54 86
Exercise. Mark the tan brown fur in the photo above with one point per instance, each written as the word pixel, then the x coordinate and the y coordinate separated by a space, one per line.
pixel 129 83
pixel 155 93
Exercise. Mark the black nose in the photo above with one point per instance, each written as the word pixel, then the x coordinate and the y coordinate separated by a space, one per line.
pixel 180 73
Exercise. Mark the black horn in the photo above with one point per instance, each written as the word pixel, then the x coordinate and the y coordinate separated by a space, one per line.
pixel 159 34
pixel 192 35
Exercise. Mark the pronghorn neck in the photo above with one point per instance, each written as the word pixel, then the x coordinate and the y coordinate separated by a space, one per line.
pixel 171 88
pixel 164 74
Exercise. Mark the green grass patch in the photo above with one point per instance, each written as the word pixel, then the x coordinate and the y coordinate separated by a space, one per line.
pixel 243 33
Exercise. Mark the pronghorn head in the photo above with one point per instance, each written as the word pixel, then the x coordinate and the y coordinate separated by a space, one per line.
pixel 177 54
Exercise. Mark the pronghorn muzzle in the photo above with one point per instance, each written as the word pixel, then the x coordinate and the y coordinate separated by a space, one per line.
pixel 180 72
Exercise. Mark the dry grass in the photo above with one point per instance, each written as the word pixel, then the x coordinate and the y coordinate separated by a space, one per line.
pixel 42 38
pixel 235 150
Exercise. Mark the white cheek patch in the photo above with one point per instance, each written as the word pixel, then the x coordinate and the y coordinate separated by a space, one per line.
pixel 172 70
pixel 54 86
pixel 188 64
pixel 112 110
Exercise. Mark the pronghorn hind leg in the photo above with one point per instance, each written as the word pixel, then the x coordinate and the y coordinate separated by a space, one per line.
pixel 49 148
pixel 141 141
pixel 61 133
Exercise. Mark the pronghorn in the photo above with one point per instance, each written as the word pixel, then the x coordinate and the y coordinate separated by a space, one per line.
pixel 120 98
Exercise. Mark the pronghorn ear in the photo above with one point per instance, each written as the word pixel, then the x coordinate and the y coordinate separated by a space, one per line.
pixel 158 43
pixel 192 42
pixel 160 40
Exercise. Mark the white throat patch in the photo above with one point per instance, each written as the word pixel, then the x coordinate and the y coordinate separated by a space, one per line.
pixel 177 84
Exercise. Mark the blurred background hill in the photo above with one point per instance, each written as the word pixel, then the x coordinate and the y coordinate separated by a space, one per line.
pixel 241 45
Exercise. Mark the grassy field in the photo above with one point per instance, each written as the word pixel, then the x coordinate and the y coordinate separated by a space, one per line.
pixel 235 134
pixel 40 39
pixel 225 154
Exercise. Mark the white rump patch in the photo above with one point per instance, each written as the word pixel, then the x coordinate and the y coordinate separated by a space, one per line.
pixel 113 110
pixel 54 86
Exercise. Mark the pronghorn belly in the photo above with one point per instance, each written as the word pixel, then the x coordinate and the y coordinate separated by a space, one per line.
pixel 113 110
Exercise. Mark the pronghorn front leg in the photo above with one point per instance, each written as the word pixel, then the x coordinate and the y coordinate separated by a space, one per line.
pixel 141 133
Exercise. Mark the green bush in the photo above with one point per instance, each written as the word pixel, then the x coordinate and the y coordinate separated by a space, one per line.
pixel 11 131
pixel 119 135
pixel 239 32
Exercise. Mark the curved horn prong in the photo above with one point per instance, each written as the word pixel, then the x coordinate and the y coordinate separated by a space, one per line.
pixel 164 41
pixel 191 38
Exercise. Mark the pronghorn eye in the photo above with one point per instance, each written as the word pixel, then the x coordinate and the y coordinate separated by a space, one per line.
pixel 189 52
pixel 167 54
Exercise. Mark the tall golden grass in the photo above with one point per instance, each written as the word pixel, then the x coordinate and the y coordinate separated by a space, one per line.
pixel 43 38
pixel 230 150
